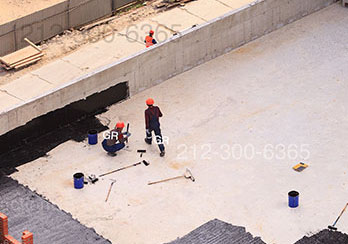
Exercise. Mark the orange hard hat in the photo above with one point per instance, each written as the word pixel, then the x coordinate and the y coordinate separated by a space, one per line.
pixel 150 101
pixel 120 125
pixel 152 32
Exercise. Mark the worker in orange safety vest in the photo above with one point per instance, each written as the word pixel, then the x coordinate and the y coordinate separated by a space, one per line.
pixel 149 40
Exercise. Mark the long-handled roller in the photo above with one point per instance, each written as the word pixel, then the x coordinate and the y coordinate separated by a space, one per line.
pixel 187 175
pixel 333 227
pixel 126 167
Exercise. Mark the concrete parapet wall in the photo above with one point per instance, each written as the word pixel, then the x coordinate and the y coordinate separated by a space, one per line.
pixel 178 54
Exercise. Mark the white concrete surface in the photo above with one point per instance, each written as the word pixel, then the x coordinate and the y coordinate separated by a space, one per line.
pixel 286 88
pixel 154 65
pixel 28 87
pixel 177 19
pixel 207 10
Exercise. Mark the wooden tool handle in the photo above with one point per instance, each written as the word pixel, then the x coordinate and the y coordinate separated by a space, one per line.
pixel 107 197
pixel 155 182
pixel 114 171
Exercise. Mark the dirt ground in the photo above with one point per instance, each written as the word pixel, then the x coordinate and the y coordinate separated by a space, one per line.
pixel 71 40
pixel 14 9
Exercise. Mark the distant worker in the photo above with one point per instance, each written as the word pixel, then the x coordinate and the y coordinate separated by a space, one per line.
pixel 115 139
pixel 152 114
pixel 149 40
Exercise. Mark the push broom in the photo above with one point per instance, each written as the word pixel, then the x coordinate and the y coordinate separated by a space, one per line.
pixel 333 227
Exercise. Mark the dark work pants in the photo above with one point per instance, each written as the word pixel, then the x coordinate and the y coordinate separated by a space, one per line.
pixel 158 136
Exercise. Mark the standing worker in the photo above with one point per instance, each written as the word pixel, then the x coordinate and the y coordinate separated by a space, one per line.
pixel 152 114
pixel 115 140
pixel 149 40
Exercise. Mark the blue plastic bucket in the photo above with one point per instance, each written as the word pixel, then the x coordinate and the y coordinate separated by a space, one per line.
pixel 78 180
pixel 92 137
pixel 293 199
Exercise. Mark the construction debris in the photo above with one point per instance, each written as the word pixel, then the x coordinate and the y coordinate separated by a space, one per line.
pixel 23 57
pixel 168 4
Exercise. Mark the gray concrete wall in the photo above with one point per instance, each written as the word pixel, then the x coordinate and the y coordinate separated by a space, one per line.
pixel 178 54
pixel 52 21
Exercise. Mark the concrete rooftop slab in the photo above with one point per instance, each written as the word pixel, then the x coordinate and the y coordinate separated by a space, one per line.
pixel 103 52
pixel 23 88
pixel 6 100
pixel 239 122
pixel 58 72
pixel 234 3
pixel 177 19
pixel 207 10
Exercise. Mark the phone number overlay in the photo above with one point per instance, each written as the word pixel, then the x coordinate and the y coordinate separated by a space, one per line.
pixel 243 152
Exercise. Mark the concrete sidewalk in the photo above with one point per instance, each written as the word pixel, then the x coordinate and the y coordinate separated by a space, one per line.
pixel 112 48
pixel 240 122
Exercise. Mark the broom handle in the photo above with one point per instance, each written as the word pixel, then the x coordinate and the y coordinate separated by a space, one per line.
pixel 107 197
pixel 173 178
pixel 341 214
pixel 114 171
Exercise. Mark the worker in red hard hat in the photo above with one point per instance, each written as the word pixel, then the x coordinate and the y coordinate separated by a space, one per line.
pixel 149 40
pixel 152 115
pixel 115 139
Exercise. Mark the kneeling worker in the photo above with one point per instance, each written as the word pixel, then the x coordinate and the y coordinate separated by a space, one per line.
pixel 115 141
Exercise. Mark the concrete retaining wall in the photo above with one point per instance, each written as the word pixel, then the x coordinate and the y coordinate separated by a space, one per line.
pixel 52 21
pixel 178 54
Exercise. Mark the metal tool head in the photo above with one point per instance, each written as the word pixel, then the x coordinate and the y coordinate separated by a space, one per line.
pixel 146 163
pixel 331 227
pixel 113 181
pixel 93 179
pixel 189 175
pixel 141 151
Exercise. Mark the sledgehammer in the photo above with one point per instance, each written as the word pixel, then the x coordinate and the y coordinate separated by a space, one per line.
pixel 332 227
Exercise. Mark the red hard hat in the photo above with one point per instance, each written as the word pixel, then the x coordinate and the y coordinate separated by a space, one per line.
pixel 120 125
pixel 152 32
pixel 150 101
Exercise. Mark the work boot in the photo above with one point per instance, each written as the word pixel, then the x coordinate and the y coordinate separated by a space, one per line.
pixel 148 142
pixel 112 154
pixel 162 153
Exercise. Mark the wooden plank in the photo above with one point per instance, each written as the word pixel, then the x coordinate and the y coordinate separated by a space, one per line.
pixel 19 55
pixel 26 60
pixel 27 63
pixel 32 44
pixel 6 67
